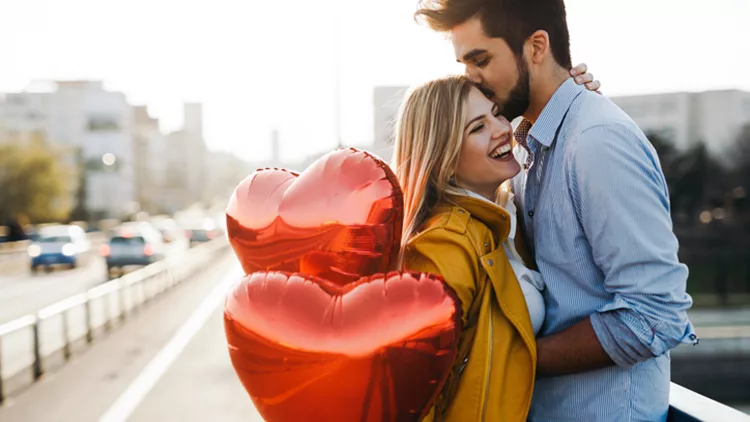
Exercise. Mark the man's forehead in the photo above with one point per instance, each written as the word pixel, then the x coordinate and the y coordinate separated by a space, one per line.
pixel 468 38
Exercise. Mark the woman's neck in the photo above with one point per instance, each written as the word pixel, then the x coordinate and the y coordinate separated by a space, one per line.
pixel 497 196
pixel 486 193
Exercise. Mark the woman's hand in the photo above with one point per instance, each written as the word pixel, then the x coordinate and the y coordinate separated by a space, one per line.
pixel 582 77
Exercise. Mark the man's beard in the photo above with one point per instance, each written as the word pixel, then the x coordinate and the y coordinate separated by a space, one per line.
pixel 519 98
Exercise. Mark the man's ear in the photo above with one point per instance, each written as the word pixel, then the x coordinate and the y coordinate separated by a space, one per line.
pixel 537 46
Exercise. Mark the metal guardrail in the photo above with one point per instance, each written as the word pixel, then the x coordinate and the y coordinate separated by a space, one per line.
pixel 14 255
pixel 689 406
pixel 27 342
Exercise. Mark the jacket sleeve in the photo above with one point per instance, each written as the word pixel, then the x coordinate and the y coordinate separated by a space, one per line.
pixel 450 255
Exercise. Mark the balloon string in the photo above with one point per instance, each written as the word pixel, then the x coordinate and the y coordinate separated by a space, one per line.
pixel 386 389
pixel 374 376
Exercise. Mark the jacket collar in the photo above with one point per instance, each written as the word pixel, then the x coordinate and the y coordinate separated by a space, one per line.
pixel 495 217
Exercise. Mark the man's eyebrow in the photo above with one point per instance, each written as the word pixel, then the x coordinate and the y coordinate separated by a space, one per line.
pixel 472 54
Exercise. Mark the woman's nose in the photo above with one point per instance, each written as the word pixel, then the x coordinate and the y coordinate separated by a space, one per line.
pixel 500 127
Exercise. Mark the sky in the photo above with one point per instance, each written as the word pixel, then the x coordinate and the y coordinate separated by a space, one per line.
pixel 263 65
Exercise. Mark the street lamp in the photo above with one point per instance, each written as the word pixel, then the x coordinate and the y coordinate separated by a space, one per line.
pixel 337 71
pixel 109 159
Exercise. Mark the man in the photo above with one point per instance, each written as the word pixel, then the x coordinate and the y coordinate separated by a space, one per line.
pixel 595 214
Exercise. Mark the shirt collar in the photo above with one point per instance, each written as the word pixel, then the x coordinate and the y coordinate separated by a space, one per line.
pixel 549 121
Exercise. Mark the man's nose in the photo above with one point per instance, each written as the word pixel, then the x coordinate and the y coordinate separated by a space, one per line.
pixel 473 74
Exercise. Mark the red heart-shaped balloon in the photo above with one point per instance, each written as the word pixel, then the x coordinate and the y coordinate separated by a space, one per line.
pixel 339 220
pixel 307 349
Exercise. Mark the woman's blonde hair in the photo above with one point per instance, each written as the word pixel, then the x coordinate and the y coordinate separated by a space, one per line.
pixel 429 130
pixel 428 138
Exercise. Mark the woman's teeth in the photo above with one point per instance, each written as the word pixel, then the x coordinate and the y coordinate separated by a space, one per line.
pixel 500 151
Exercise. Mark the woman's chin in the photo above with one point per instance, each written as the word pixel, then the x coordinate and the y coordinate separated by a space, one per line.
pixel 509 169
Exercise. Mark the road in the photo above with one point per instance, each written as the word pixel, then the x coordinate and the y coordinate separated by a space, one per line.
pixel 167 363
pixel 27 292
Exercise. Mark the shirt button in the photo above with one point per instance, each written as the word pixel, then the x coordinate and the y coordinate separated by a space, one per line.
pixel 531 214
pixel 491 262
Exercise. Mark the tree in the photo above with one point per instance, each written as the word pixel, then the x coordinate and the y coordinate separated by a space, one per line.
pixel 33 185
pixel 696 179
pixel 741 156
pixel 669 158
pixel 741 174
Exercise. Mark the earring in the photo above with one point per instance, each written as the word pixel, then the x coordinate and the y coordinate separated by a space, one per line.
pixel 452 179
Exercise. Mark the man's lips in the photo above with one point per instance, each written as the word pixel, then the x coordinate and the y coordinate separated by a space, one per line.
pixel 486 91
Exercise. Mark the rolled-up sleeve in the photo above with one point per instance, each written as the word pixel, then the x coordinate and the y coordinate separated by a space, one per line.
pixel 622 201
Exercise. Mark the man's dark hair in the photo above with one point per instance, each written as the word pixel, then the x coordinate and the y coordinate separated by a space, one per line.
pixel 512 20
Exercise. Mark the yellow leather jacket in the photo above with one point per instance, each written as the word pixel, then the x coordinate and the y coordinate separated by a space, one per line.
pixel 493 378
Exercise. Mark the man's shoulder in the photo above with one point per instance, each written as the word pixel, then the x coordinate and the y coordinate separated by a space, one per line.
pixel 591 109
pixel 592 113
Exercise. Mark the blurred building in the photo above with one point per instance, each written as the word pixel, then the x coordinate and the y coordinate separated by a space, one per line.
pixel 226 171
pixel 151 165
pixel 186 161
pixel 275 160
pixel 713 117
pixel 386 102
pixel 91 130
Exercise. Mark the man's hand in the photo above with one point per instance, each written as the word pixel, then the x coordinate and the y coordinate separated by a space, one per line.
pixel 582 77
pixel 574 350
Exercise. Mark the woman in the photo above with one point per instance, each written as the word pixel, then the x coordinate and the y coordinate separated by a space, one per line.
pixel 453 153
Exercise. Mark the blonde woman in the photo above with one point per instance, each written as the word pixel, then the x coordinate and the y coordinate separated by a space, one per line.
pixel 453 154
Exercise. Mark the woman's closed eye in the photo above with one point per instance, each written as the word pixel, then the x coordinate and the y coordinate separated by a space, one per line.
pixel 482 62
pixel 477 128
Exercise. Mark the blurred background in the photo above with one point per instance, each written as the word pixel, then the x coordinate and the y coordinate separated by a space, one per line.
pixel 125 126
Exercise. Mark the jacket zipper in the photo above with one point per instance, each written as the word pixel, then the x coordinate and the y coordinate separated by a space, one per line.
pixel 489 369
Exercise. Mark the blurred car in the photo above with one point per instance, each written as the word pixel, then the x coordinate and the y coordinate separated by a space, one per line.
pixel 171 233
pixel 132 245
pixel 59 245
pixel 132 227
pixel 201 233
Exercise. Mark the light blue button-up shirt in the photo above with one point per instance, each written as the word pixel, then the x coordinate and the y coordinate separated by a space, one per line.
pixel 595 208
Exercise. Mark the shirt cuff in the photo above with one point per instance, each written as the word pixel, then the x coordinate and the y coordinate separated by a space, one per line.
pixel 628 339
pixel 621 344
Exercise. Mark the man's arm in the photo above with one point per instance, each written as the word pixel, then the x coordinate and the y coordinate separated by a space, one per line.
pixel 622 202
pixel 574 350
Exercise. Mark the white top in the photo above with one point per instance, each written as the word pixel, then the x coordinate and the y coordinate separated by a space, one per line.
pixel 531 281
